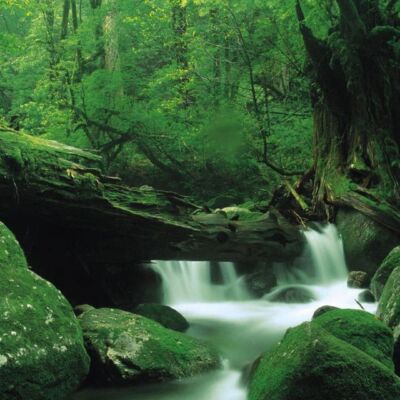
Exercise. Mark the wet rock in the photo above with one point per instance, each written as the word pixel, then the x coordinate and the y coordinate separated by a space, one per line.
pixel 127 349
pixel 366 296
pixel 291 294
pixel 358 280
pixel 78 310
pixel 42 356
pixel 260 283
pixel 322 310
pixel 366 243
pixel 381 276
pixel 164 315
pixel 314 363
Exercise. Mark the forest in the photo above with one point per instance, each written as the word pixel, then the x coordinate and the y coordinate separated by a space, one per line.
pixel 199 199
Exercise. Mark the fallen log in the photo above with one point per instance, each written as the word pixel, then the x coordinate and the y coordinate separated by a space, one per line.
pixel 75 223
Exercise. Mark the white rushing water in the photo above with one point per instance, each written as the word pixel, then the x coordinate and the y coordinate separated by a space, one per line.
pixel 220 310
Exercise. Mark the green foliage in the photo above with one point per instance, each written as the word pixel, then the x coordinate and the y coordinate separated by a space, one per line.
pixel 190 89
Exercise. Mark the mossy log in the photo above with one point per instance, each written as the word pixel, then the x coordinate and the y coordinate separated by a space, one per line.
pixel 66 212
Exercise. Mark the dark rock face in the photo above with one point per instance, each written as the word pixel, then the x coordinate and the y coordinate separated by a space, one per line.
pixel 381 276
pixel 127 349
pixel 366 243
pixel 322 310
pixel 291 294
pixel 358 280
pixel 42 356
pixel 325 359
pixel 164 315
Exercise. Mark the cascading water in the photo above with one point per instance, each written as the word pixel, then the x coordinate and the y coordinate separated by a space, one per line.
pixel 191 282
pixel 242 328
pixel 327 254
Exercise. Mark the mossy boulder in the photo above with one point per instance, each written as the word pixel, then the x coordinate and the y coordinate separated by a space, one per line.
pixel 42 355
pixel 362 330
pixel 384 271
pixel 164 315
pixel 310 363
pixel 358 280
pixel 128 348
pixel 389 303
pixel 366 243
pixel 11 253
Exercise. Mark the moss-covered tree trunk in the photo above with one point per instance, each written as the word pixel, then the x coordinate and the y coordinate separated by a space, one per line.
pixel 356 99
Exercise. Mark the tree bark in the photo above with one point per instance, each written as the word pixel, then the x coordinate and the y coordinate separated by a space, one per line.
pixel 356 98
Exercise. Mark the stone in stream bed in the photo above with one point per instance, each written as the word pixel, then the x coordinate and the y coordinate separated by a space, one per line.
pixel 260 282
pixel 164 315
pixel 291 294
pixel 82 308
pixel 358 280
pixel 42 356
pixel 127 349
pixel 318 361
pixel 322 310
pixel 366 296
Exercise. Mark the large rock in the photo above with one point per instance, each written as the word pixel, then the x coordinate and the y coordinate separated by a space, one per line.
pixel 310 363
pixel 128 348
pixel 389 303
pixel 381 276
pixel 366 243
pixel 164 315
pixel 362 330
pixel 42 356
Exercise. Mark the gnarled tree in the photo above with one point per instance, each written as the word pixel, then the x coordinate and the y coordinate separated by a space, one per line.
pixel 356 100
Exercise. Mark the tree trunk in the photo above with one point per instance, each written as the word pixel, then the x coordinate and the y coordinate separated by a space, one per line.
pixel 356 98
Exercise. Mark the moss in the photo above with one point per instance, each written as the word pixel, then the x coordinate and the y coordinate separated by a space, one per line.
pixel 41 346
pixel 385 269
pixel 130 348
pixel 389 304
pixel 11 253
pixel 362 330
pixel 312 364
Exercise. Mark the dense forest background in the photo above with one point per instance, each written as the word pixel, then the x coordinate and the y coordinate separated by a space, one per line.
pixel 208 98
pixel 211 98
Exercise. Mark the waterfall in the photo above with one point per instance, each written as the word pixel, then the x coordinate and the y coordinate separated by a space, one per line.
pixel 191 282
pixel 325 248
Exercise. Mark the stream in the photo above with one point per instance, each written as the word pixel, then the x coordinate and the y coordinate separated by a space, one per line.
pixel 227 316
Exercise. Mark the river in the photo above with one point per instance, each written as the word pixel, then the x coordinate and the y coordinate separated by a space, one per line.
pixel 241 327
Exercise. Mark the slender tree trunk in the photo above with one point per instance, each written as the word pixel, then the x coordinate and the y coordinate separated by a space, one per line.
pixel 179 26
